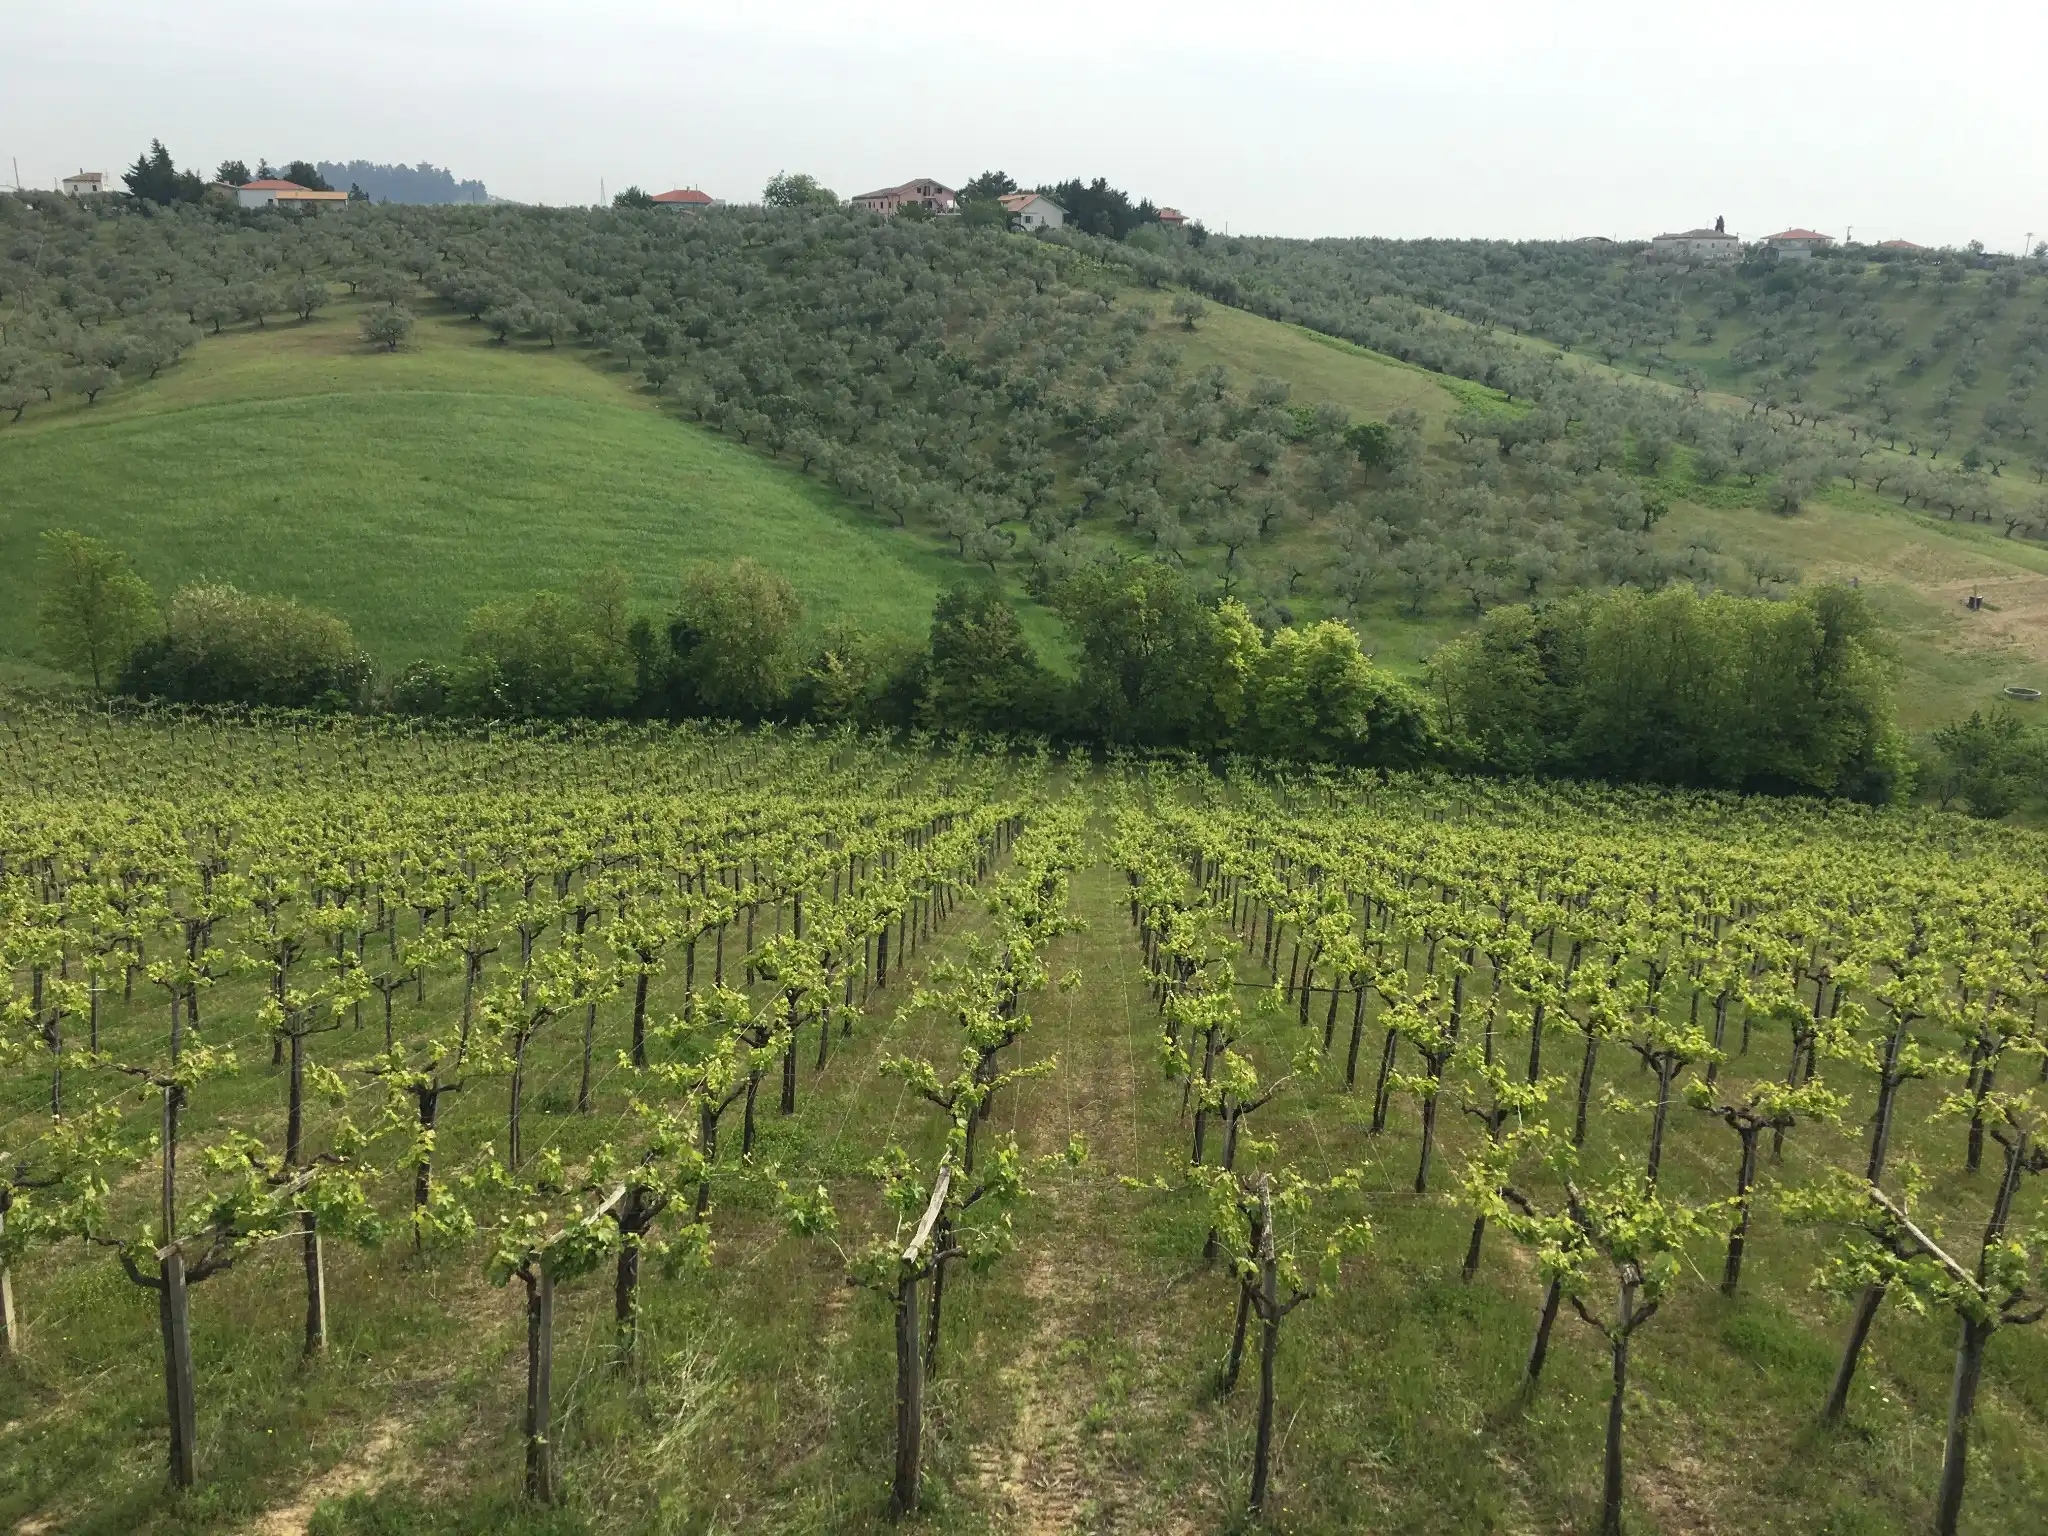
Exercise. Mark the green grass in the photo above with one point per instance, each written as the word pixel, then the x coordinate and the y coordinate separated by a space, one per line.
pixel 1320 368
pixel 401 490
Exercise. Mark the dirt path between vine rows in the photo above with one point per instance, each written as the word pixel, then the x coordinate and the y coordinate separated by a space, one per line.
pixel 1058 1473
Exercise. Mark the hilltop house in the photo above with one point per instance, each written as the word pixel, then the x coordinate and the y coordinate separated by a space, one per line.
pixel 1172 218
pixel 272 193
pixel 929 194
pixel 1798 244
pixel 684 199
pixel 1899 245
pixel 1032 211
pixel 1714 244
pixel 86 184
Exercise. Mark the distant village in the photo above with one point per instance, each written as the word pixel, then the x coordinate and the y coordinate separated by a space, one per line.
pixel 1029 211
pixel 1718 244
pixel 1034 211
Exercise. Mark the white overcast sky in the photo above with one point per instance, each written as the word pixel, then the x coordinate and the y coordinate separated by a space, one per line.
pixel 1513 118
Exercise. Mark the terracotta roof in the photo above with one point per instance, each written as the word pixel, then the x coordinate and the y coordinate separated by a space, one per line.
pixel 1899 245
pixel 903 190
pixel 1799 234
pixel 684 195
pixel 272 185
pixel 306 195
pixel 1699 234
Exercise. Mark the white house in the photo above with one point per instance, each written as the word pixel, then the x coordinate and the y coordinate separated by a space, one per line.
pixel 933 196
pixel 1714 244
pixel 272 193
pixel 1798 244
pixel 1032 211
pixel 86 184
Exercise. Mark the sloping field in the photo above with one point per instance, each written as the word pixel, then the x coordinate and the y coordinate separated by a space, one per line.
pixel 402 490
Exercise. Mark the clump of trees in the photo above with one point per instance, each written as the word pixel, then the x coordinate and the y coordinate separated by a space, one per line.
pixel 220 645
pixel 1675 688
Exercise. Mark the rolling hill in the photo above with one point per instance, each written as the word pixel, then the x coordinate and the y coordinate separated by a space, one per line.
pixel 401 490
pixel 481 461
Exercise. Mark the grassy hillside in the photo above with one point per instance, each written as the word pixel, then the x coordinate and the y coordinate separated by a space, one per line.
pixel 402 490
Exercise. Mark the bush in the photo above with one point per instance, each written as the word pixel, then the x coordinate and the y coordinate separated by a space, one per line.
pixel 1673 688
pixel 541 656
pixel 223 646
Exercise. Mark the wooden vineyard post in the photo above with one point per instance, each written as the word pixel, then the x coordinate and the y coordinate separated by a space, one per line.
pixel 540 1369
pixel 909 1357
pixel 316 1283
pixel 10 1324
pixel 177 1329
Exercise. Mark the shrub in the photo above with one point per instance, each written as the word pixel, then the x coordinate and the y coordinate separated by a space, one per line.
pixel 223 646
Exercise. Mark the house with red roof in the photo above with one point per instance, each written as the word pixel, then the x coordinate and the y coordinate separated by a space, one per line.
pixel 685 199
pixel 934 197
pixel 1172 218
pixel 1899 245
pixel 1033 211
pixel 269 192
pixel 1798 244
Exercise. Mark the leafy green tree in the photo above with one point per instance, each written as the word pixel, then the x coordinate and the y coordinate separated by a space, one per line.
pixel 223 646
pixel 633 197
pixel 387 328
pixel 1158 666
pixel 307 297
pixel 1990 761
pixel 547 656
pixel 986 187
pixel 1317 698
pixel 794 189
pixel 155 179
pixel 1188 308
pixel 95 611
pixel 93 380
pixel 983 675
pixel 233 173
pixel 734 639
pixel 303 173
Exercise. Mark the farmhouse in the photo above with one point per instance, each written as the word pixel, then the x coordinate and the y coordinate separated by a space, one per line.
pixel 1714 244
pixel 1899 245
pixel 1032 211
pixel 1798 244
pixel 272 193
pixel 86 184
pixel 929 194
pixel 1172 218
pixel 685 199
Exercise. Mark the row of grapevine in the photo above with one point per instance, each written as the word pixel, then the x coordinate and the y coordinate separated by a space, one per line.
pixel 405 923
pixel 1814 975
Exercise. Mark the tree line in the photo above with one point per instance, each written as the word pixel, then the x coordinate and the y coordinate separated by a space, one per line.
pixel 1781 697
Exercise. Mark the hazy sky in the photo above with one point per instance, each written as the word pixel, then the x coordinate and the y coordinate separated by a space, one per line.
pixel 1516 118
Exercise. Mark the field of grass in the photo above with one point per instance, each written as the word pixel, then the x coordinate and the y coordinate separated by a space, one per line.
pixel 1076 1388
pixel 1320 368
pixel 402 490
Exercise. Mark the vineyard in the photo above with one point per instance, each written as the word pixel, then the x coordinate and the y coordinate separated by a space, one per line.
pixel 412 1127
